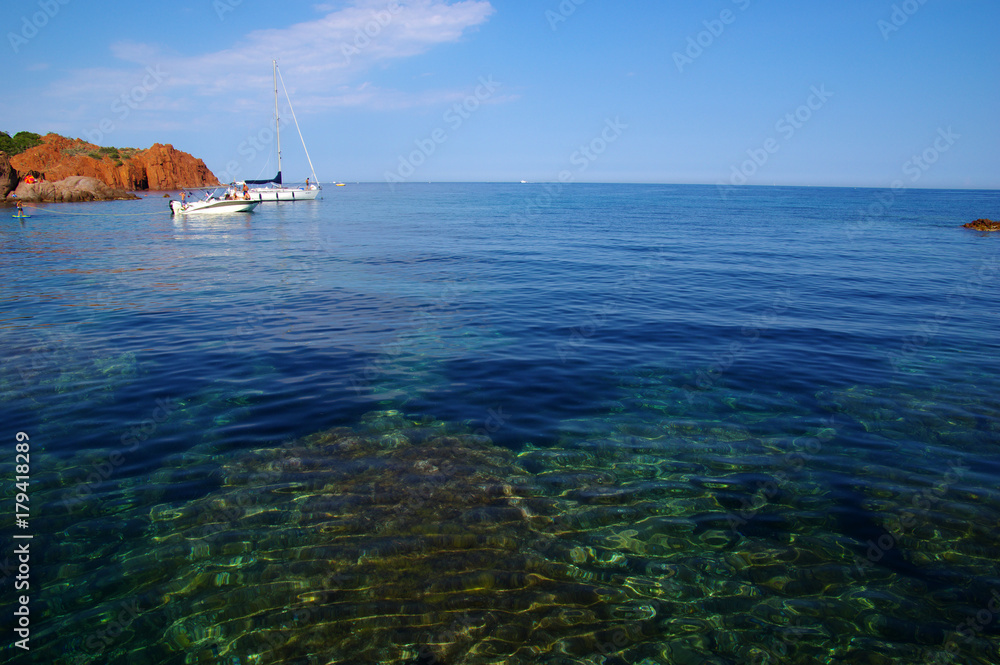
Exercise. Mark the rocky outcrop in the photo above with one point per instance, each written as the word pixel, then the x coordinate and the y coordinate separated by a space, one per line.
pixel 167 168
pixel 160 167
pixel 8 176
pixel 74 188
pixel 983 225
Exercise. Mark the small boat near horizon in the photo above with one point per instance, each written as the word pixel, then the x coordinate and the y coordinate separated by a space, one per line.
pixel 273 189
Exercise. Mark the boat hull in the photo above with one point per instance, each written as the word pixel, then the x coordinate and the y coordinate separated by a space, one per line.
pixel 264 194
pixel 213 207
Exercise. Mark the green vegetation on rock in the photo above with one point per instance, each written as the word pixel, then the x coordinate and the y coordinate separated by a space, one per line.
pixel 19 142
pixel 111 152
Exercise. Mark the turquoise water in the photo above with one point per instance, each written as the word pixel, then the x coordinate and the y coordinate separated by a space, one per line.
pixel 481 423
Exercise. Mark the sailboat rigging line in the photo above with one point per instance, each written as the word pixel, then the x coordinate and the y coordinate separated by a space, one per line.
pixel 290 108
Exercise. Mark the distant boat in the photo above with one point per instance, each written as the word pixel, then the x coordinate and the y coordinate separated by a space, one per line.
pixel 275 190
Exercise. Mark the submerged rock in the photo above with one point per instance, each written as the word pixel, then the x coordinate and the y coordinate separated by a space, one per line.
pixel 410 541
pixel 353 546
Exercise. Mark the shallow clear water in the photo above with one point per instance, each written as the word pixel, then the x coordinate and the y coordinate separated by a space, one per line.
pixel 510 424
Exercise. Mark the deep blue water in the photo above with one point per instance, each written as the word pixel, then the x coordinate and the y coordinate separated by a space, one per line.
pixel 708 407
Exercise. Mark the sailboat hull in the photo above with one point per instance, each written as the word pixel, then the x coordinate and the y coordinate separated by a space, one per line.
pixel 265 194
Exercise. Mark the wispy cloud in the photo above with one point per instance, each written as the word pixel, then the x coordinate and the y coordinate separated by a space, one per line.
pixel 329 56
pixel 373 97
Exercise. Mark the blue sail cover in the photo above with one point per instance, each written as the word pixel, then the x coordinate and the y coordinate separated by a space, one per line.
pixel 276 179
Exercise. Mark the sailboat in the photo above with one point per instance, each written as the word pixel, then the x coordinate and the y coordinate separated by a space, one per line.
pixel 274 189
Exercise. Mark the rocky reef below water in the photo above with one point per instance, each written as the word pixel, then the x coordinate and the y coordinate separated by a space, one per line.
pixel 409 540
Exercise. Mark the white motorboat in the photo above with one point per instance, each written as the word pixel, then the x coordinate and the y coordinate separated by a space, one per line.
pixel 274 190
pixel 213 205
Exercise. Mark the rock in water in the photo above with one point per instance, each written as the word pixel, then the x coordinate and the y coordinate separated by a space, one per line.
pixel 159 167
pixel 74 188
pixel 8 176
pixel 983 225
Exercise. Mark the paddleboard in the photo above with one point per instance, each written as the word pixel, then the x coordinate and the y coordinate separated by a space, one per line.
pixel 21 216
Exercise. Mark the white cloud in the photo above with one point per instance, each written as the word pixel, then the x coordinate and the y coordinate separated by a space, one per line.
pixel 327 56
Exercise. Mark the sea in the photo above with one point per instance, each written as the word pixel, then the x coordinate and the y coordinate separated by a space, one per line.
pixel 495 424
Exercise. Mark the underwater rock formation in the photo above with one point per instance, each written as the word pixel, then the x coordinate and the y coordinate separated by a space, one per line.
pixel 415 545
pixel 644 542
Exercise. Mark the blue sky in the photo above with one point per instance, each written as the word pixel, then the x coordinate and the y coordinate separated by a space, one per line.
pixel 847 93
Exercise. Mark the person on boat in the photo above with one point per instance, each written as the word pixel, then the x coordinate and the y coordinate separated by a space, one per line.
pixel 307 183
pixel 246 192
pixel 183 198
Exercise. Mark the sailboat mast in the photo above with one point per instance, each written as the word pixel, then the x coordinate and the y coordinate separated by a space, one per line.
pixel 277 122
pixel 299 129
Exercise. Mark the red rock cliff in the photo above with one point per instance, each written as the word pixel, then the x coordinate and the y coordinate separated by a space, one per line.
pixel 158 167
pixel 8 176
